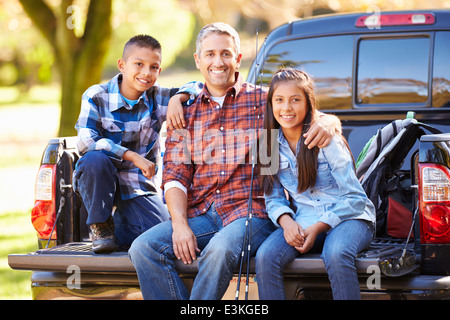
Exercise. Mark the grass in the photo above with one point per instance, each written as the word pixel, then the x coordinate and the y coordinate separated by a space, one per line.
pixel 16 236
pixel 27 121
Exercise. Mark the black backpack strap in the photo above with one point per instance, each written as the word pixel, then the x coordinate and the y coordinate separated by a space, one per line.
pixel 429 128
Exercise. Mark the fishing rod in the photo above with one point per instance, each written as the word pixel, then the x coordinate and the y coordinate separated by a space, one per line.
pixel 246 244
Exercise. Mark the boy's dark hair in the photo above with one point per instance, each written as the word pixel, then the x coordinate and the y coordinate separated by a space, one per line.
pixel 142 41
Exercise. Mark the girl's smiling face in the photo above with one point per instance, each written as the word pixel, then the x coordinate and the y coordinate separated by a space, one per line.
pixel 290 106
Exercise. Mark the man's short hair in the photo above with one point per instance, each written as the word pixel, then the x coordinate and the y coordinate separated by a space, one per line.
pixel 219 28
pixel 142 41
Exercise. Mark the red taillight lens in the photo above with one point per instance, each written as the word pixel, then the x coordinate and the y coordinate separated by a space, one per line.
pixel 43 212
pixel 434 201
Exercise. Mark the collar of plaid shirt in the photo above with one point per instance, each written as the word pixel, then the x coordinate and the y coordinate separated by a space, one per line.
pixel 116 97
pixel 219 169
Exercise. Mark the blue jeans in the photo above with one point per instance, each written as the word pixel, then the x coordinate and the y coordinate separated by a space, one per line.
pixel 152 256
pixel 96 181
pixel 340 247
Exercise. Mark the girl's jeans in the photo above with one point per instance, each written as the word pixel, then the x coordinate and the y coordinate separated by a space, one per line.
pixel 152 256
pixel 95 180
pixel 340 247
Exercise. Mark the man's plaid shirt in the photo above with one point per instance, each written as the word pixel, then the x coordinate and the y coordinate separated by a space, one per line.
pixel 108 123
pixel 212 162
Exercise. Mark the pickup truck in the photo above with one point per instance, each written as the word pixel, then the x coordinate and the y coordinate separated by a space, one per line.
pixel 369 69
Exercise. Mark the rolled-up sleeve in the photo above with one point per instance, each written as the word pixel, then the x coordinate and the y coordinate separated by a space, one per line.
pixel 177 160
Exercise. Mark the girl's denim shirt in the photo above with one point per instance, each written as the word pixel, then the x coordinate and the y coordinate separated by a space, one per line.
pixel 337 195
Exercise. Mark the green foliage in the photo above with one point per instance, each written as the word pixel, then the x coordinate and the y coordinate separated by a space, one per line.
pixel 25 56
pixel 8 74
pixel 164 20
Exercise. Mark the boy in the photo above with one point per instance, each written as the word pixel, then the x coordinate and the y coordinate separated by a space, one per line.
pixel 118 138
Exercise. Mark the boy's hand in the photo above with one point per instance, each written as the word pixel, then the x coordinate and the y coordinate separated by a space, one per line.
pixel 175 114
pixel 147 167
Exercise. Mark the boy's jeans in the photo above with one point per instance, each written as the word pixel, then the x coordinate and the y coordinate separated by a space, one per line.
pixel 340 247
pixel 95 180
pixel 152 256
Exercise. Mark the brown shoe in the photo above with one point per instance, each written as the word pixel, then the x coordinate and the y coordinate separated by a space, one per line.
pixel 104 239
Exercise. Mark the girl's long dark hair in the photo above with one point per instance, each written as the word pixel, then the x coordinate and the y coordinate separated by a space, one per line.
pixel 306 158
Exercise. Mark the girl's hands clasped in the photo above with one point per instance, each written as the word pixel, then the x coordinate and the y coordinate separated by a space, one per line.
pixel 295 236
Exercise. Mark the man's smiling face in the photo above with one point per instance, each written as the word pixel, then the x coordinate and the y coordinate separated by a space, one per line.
pixel 218 62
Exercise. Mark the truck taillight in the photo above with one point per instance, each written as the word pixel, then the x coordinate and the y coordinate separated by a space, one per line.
pixel 400 19
pixel 43 212
pixel 434 202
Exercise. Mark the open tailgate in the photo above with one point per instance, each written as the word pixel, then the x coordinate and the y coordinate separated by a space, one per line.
pixel 389 255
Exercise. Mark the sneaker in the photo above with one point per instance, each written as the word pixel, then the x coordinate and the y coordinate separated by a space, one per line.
pixel 104 239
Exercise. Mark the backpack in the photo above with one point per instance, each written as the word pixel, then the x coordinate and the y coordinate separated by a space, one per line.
pixel 378 168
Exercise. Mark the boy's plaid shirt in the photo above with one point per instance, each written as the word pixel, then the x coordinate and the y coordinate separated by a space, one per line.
pixel 108 123
pixel 210 165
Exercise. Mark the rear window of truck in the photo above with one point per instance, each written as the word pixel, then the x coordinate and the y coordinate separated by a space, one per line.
pixel 328 59
pixel 390 69
pixel 441 70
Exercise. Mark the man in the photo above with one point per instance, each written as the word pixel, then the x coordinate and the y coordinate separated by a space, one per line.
pixel 207 190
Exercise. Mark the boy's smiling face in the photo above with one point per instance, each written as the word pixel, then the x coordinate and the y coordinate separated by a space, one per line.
pixel 140 67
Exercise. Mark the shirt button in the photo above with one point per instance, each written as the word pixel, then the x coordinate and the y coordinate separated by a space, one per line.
pixel 221 128
pixel 223 151
pixel 217 191
pixel 222 173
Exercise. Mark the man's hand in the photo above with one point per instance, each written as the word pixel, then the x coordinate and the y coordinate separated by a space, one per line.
pixel 184 243
pixel 322 131
pixel 184 240
pixel 147 167
pixel 175 113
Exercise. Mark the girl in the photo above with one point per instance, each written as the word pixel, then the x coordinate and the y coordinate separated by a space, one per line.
pixel 327 207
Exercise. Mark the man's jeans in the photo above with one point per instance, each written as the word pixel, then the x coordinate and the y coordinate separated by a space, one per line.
pixel 95 180
pixel 340 247
pixel 152 256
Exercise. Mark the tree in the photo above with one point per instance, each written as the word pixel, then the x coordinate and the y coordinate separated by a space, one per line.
pixel 78 57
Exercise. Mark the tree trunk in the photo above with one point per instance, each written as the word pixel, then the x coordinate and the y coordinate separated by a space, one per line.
pixel 79 60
